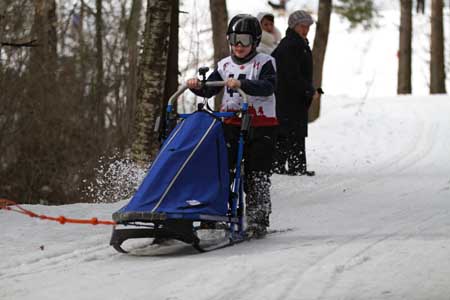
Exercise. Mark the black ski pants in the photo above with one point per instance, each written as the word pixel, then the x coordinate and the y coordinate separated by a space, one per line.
pixel 258 158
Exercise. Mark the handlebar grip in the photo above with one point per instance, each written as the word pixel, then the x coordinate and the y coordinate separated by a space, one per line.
pixel 184 87
pixel 223 83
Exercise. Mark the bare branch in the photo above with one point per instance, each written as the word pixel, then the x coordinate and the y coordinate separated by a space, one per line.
pixel 31 43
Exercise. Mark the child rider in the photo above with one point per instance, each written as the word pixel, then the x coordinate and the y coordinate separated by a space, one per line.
pixel 255 74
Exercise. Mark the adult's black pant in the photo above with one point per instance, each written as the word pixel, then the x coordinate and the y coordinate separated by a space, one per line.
pixel 290 154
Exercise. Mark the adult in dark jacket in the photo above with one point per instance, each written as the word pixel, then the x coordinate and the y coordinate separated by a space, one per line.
pixel 294 95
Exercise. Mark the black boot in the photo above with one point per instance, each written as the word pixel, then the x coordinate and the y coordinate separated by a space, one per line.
pixel 307 173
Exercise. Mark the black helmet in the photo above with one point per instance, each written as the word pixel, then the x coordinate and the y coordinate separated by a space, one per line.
pixel 244 23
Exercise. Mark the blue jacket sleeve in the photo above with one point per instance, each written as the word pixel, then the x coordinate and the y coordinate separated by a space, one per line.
pixel 266 83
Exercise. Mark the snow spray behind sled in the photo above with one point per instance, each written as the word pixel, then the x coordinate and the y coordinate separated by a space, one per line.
pixel 189 186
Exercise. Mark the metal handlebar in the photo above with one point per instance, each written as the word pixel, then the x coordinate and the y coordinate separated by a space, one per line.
pixel 223 83
pixel 246 118
pixel 184 87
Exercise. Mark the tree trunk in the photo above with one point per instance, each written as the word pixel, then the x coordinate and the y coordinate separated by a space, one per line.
pixel 404 53
pixel 37 155
pixel 151 80
pixel 99 78
pixel 171 85
pixel 2 26
pixel 44 57
pixel 133 52
pixel 219 22
pixel 318 52
pixel 82 55
pixel 437 62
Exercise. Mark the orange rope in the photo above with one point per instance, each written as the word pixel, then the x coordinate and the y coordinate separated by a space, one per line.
pixel 13 206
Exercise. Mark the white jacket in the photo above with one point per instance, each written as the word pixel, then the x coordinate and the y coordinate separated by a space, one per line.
pixel 269 41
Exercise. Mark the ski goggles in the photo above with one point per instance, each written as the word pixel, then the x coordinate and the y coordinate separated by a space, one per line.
pixel 240 38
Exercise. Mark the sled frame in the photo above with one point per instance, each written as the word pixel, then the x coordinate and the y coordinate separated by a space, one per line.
pixel 181 226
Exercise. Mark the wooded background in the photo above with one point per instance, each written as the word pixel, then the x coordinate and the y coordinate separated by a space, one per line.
pixel 85 80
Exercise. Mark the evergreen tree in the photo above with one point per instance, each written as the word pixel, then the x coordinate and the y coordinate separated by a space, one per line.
pixel 358 12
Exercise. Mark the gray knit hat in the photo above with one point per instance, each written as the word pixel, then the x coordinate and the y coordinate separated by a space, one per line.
pixel 299 17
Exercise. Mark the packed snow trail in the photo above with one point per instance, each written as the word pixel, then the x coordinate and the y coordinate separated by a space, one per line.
pixel 373 224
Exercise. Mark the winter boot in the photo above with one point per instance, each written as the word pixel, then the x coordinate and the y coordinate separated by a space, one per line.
pixel 255 231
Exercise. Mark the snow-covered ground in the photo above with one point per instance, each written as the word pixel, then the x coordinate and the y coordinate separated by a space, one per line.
pixel 374 223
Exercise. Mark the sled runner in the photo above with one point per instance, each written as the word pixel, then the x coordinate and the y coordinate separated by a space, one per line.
pixel 189 193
